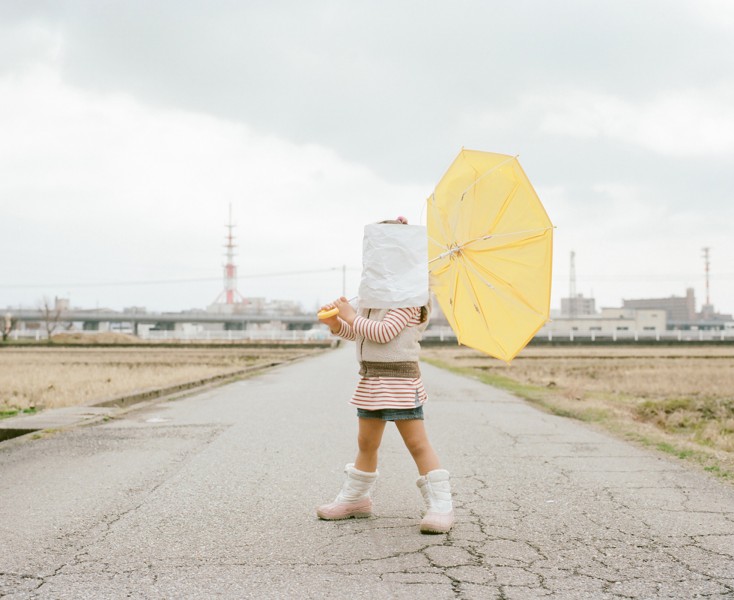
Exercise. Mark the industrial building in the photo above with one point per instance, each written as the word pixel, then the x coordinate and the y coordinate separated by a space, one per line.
pixel 644 316
pixel 679 309
pixel 681 312
pixel 641 315
pixel 611 322
pixel 578 306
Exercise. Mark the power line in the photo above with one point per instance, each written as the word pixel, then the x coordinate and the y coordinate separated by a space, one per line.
pixel 680 278
pixel 641 278
pixel 167 281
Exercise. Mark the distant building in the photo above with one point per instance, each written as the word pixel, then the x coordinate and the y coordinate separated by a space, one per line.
pixel 611 322
pixel 61 304
pixel 578 306
pixel 679 309
pixel 257 306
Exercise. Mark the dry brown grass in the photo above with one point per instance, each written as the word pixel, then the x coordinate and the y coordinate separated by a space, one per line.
pixel 680 398
pixel 46 377
pixel 86 339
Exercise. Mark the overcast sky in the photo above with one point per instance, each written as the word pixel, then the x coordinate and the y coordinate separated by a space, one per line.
pixel 127 128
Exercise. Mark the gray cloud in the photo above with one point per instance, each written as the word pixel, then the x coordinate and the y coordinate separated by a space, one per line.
pixel 390 84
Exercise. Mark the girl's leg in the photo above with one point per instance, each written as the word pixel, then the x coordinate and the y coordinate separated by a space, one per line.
pixel 368 440
pixel 415 437
pixel 433 481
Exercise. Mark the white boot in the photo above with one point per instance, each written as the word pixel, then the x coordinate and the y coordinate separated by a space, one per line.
pixel 354 498
pixel 436 490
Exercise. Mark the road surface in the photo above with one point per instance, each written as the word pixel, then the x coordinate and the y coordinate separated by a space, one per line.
pixel 213 496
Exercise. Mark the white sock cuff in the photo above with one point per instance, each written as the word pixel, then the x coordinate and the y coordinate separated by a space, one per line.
pixel 365 474
pixel 437 475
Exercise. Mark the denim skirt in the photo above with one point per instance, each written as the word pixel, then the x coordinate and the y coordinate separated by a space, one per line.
pixel 391 414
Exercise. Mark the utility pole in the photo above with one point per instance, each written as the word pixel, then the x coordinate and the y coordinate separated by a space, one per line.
pixel 706 272
pixel 572 286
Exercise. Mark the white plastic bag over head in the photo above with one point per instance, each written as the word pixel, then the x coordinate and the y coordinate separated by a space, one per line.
pixel 394 266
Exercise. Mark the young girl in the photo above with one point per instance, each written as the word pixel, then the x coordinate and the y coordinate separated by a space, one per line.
pixel 390 389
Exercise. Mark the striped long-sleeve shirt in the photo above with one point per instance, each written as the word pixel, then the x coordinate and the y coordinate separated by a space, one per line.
pixel 383 331
pixel 375 393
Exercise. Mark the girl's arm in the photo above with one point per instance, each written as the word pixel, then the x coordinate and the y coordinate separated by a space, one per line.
pixel 337 325
pixel 345 331
pixel 383 331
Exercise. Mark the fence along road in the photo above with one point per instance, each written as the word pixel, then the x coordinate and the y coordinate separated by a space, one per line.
pixel 213 496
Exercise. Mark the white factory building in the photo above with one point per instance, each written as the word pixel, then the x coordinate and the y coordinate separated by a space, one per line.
pixel 611 322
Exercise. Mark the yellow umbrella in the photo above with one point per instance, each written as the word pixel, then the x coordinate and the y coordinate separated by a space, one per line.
pixel 489 250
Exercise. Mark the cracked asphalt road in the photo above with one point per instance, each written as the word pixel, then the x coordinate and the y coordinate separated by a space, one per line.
pixel 213 495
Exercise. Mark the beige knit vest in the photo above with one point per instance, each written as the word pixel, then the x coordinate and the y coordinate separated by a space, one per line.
pixel 404 347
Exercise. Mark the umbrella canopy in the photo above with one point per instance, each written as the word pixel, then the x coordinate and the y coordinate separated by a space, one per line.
pixel 489 250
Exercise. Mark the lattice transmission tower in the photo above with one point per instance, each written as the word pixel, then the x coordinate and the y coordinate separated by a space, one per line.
pixel 230 295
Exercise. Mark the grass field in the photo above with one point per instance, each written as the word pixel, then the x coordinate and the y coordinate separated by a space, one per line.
pixel 679 399
pixel 37 377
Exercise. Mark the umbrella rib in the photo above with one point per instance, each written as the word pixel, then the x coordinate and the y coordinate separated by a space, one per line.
pixel 439 270
pixel 438 220
pixel 505 204
pixel 498 235
pixel 537 233
pixel 457 214
pixel 486 237
pixel 459 203
pixel 453 320
pixel 453 308
pixel 488 172
pixel 516 298
pixel 477 304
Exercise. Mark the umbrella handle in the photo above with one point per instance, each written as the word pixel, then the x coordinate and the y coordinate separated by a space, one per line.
pixel 326 314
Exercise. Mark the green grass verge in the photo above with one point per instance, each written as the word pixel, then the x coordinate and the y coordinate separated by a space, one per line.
pixel 708 461
pixel 11 412
pixel 533 393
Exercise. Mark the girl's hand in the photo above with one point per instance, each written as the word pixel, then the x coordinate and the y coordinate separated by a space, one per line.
pixel 346 311
pixel 333 321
